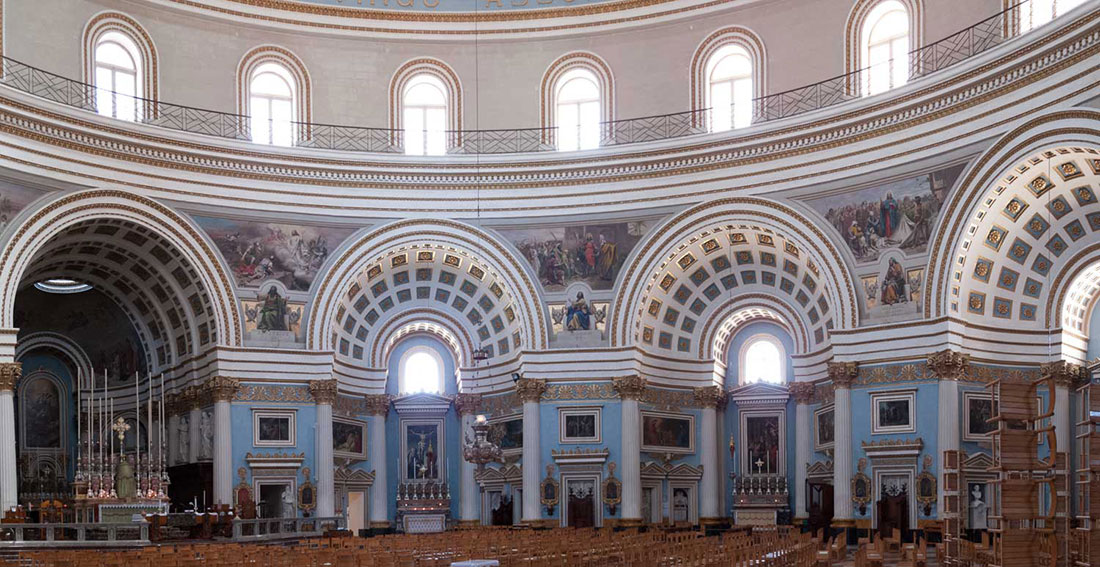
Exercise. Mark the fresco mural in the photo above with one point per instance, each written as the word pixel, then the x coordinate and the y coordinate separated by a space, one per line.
pixel 91 320
pixel 895 215
pixel 13 199
pixel 589 253
pixel 270 311
pixel 255 251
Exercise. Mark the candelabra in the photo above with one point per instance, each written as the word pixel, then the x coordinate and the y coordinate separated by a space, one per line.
pixel 481 451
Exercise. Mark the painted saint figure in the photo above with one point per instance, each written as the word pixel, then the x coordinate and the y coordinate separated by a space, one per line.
pixel 272 312
pixel 578 317
pixel 893 284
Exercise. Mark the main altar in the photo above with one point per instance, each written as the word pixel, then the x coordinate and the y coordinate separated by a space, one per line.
pixel 423 494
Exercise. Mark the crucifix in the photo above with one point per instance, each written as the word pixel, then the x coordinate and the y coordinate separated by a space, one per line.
pixel 120 427
pixel 759 464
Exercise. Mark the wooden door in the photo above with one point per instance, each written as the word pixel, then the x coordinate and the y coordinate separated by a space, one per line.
pixel 582 504
pixel 356 504
pixel 501 515
pixel 819 505
pixel 893 512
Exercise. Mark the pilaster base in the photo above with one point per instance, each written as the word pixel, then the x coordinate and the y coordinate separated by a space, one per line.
pixel 840 523
pixel 627 522
pixel 712 521
pixel 468 524
pixel 380 525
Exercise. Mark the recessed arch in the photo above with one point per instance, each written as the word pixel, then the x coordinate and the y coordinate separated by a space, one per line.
pixel 69 350
pixel 106 23
pixel 284 63
pixel 560 69
pixel 711 47
pixel 855 32
pixel 442 74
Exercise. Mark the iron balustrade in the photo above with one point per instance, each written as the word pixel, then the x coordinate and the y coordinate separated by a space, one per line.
pixel 922 61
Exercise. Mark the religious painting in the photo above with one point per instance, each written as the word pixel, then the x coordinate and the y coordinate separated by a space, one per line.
pixel 894 215
pixel 915 280
pixel 977 411
pixel 762 442
pixel 579 425
pixel 894 412
pixel 258 251
pixel 349 438
pixel 589 253
pixel 895 284
pixel 824 428
pixel 579 314
pixel 271 311
pixel 91 320
pixel 870 291
pixel 668 432
pixel 273 428
pixel 421 451
pixel 41 413
pixel 13 199
pixel 507 433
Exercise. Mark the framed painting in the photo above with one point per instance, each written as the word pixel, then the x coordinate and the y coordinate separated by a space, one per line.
pixel 668 432
pixel 421 450
pixel 507 432
pixel 274 427
pixel 579 425
pixel 824 428
pixel 349 438
pixel 41 407
pixel 977 410
pixel 893 412
pixel 764 442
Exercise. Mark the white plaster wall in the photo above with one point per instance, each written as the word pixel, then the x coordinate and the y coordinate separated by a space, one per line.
pixel 199 55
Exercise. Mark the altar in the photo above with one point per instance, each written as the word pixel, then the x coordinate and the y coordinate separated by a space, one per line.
pixel 114 510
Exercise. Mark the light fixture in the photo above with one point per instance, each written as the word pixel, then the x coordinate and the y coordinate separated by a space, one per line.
pixel 481 354
pixel 61 285
pixel 480 451
pixel 516 376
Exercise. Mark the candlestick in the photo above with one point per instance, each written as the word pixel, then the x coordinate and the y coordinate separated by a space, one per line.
pixel 137 425
pixel 111 419
pixel 79 451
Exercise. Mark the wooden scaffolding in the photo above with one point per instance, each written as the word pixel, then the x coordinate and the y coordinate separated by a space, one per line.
pixel 954 492
pixel 1086 535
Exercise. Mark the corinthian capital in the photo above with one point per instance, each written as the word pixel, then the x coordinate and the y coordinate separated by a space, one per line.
pixel 324 391
pixel 222 388
pixel 802 392
pixel 377 404
pixel 709 396
pixel 948 364
pixel 629 387
pixel 843 374
pixel 1065 374
pixel 530 389
pixel 467 404
pixel 10 372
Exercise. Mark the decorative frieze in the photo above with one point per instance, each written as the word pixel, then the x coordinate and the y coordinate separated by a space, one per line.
pixel 468 404
pixel 10 372
pixel 630 387
pixel 503 404
pixel 272 393
pixel 803 392
pixel 377 404
pixel 530 389
pixel 843 374
pixel 1065 374
pixel 596 391
pixel 709 397
pixel 324 391
pixel 948 364
pixel 222 388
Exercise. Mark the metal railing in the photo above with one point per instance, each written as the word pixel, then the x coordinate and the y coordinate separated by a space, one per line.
pixel 922 61
pixel 276 528
pixel 78 534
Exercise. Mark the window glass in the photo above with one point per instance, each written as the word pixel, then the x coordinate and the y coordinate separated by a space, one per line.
pixel 763 363
pixel 1034 13
pixel 117 67
pixel 271 104
pixel 424 116
pixel 886 47
pixel 421 373
pixel 730 88
pixel 578 111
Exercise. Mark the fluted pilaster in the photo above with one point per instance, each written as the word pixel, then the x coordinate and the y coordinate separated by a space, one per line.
pixel 1067 376
pixel 10 372
pixel 378 405
pixel 529 391
pixel 324 395
pixel 803 394
pixel 222 389
pixel 631 389
pixel 949 366
pixel 843 375
pixel 467 406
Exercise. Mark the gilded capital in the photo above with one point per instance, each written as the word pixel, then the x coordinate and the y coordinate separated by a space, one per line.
pixel 222 388
pixel 191 398
pixel 629 387
pixel 324 391
pixel 710 396
pixel 530 389
pixel 843 374
pixel 948 364
pixel 802 392
pixel 1065 374
pixel 10 372
pixel 467 404
pixel 377 404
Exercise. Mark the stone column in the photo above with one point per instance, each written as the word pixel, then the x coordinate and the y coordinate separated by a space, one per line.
pixel 529 391
pixel 469 510
pixel 709 398
pixel 10 372
pixel 324 395
pixel 378 405
pixel 1066 377
pixel 948 366
pixel 842 374
pixel 803 394
pixel 194 399
pixel 631 389
pixel 222 390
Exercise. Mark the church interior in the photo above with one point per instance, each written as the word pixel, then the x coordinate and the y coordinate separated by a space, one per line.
pixel 542 283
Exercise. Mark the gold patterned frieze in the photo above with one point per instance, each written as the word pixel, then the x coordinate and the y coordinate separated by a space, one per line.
pixel 10 372
pixel 824 393
pixel 324 391
pixel 669 400
pixel 349 405
pixel 273 393
pixel 593 391
pixel 503 404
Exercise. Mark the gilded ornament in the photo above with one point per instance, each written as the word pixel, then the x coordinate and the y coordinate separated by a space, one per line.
pixel 630 387
pixel 530 389
pixel 802 392
pixel 709 396
pixel 222 388
pixel 948 364
pixel 843 374
pixel 377 404
pixel 324 391
pixel 1065 373
pixel 467 404
pixel 10 372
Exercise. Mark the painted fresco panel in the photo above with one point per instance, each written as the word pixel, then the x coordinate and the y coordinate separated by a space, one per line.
pixel 258 251
pixel 13 199
pixel 42 414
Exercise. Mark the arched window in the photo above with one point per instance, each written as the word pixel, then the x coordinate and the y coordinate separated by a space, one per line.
pixel 424 115
pixel 577 104
pixel 762 360
pixel 1035 13
pixel 118 68
pixel 271 104
pixel 421 371
pixel 885 41
pixel 729 88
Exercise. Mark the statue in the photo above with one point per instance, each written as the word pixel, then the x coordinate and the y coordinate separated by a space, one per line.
pixel 184 444
pixel 289 506
pixel 272 312
pixel 125 485
pixel 578 317
pixel 206 428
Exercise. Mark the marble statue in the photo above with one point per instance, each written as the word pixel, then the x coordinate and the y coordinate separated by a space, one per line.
pixel 125 485
pixel 183 446
pixel 206 430
pixel 289 505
